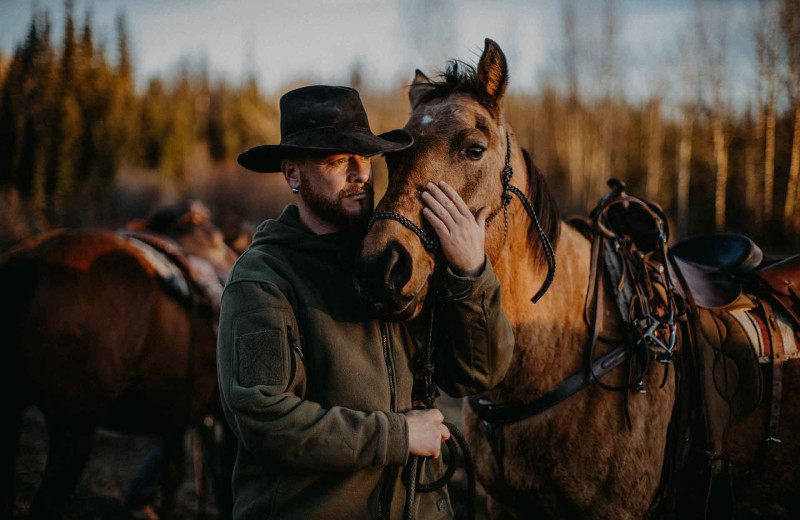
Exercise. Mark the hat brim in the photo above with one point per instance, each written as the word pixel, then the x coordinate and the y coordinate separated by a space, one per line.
pixel 268 158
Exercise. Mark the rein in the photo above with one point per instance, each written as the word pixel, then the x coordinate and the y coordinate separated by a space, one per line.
pixel 424 365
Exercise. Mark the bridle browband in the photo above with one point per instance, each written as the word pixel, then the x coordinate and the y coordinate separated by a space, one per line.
pixel 431 243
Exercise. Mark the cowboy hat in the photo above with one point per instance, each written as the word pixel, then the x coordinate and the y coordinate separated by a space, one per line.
pixel 323 119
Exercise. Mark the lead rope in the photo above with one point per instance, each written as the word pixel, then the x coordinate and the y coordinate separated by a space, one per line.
pixel 411 472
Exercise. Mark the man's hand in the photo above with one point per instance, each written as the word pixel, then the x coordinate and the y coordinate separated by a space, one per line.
pixel 461 233
pixel 426 433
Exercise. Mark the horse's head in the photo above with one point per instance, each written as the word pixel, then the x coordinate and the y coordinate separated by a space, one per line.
pixel 190 225
pixel 460 136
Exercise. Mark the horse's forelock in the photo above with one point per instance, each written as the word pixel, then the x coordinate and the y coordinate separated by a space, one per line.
pixel 458 77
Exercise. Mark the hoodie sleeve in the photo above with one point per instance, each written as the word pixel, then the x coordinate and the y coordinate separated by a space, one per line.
pixel 474 339
pixel 262 386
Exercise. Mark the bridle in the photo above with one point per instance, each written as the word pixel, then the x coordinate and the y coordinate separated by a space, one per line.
pixel 431 243
pixel 423 364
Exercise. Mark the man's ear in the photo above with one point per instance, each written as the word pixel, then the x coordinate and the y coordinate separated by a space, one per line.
pixel 492 75
pixel 290 172
pixel 419 88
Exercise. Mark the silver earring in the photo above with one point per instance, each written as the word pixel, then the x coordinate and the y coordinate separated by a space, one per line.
pixel 295 190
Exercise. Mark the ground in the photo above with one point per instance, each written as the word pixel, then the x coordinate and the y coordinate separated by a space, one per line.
pixel 116 459
pixel 100 494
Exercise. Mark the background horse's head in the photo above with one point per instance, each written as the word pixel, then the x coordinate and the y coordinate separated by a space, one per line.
pixel 460 136
pixel 190 225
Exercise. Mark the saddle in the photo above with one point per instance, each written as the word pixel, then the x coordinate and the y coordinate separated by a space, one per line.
pixel 744 323
pixel 742 317
pixel 182 275
pixel 709 264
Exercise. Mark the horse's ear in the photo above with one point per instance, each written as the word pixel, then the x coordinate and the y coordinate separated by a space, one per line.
pixel 420 77
pixel 419 87
pixel 492 74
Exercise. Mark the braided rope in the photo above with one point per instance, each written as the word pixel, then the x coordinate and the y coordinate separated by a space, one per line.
pixel 429 243
pixel 505 180
pixel 411 472
pixel 548 247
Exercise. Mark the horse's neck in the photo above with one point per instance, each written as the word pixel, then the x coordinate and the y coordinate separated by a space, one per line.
pixel 550 335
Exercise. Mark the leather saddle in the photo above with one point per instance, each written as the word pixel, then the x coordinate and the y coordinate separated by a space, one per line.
pixel 722 270
pixel 724 252
pixel 712 265
pixel 739 297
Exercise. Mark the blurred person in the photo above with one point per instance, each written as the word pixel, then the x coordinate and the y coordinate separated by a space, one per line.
pixel 317 390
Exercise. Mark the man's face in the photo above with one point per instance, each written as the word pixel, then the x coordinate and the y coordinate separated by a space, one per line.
pixel 338 189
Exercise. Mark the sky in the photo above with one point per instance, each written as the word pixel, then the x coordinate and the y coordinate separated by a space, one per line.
pixel 282 42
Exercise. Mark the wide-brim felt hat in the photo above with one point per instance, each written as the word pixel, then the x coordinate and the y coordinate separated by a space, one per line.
pixel 323 119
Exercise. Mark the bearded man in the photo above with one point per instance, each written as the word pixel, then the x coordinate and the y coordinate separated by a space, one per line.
pixel 317 390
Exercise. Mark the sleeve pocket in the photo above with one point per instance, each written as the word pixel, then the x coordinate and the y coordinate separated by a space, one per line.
pixel 260 359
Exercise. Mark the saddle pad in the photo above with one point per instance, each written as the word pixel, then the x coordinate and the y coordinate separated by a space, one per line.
pixel 172 264
pixel 756 331
pixel 167 272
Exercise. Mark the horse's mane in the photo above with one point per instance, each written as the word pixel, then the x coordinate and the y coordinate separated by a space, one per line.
pixel 545 206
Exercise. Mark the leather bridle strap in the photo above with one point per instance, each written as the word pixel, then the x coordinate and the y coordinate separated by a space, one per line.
pixel 429 243
pixel 500 414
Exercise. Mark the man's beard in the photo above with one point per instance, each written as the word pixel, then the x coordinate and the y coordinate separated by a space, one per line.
pixel 331 211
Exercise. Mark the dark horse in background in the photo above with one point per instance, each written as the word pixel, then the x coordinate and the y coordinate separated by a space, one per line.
pixel 94 339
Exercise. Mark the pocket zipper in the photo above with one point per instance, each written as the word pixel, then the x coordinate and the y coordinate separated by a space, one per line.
pixel 297 349
pixel 292 342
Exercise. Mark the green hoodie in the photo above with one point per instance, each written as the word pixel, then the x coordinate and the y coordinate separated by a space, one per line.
pixel 315 388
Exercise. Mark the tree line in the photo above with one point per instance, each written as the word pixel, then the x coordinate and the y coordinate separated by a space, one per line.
pixel 72 118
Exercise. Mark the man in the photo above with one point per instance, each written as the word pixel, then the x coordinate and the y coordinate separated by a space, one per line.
pixel 308 377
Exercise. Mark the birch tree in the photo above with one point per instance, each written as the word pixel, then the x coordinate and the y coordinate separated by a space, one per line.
pixel 574 148
pixel 713 38
pixel 790 28
pixel 766 37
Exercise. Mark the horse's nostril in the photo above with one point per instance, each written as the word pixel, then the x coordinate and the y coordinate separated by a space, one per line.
pixel 398 268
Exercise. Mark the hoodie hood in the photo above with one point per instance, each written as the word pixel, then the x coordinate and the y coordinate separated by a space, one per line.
pixel 289 230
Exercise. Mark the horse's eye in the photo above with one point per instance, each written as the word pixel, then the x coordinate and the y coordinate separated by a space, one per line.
pixel 474 152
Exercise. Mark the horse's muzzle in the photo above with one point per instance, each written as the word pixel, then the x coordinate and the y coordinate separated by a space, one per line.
pixel 381 279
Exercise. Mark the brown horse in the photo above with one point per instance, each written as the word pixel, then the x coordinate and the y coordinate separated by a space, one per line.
pixel 93 339
pixel 577 459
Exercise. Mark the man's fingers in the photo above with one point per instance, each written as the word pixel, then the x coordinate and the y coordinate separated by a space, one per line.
pixel 434 205
pixel 436 223
pixel 456 198
pixel 445 201
pixel 482 215
pixel 445 433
